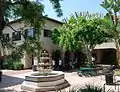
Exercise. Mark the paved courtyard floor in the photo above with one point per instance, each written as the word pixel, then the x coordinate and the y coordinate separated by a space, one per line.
pixel 11 80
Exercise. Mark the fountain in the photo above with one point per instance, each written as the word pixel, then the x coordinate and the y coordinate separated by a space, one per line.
pixel 44 79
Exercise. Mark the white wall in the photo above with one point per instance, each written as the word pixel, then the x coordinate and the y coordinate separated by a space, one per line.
pixel 47 42
pixel 17 27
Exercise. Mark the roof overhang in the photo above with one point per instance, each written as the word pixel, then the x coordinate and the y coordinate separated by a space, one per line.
pixel 106 45
pixel 47 18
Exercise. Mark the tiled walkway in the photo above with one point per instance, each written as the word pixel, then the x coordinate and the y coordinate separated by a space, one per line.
pixel 12 79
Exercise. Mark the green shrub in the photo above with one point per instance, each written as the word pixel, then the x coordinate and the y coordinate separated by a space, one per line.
pixel 17 65
pixel 91 88
pixel 70 90
pixel 90 64
pixel 88 88
pixel 12 62
pixel 8 64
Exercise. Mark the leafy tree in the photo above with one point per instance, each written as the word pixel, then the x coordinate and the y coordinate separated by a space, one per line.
pixel 92 34
pixel 32 45
pixel 10 9
pixel 112 22
pixel 65 37
pixel 80 32
pixel 31 14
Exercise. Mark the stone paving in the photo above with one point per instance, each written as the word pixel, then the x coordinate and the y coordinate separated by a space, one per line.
pixel 11 80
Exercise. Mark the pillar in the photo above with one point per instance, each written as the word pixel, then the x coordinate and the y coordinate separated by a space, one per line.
pixel 98 56
pixel 62 55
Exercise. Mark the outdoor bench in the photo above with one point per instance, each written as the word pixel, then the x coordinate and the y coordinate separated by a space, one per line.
pixel 86 71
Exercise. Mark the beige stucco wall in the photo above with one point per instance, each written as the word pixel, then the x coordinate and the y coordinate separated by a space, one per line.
pixel 17 26
pixel 47 42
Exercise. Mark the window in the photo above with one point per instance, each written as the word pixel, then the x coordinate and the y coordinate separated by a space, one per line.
pixel 29 32
pixel 6 36
pixel 47 33
pixel 16 36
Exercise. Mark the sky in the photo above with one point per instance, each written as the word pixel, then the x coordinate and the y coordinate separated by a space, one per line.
pixel 71 6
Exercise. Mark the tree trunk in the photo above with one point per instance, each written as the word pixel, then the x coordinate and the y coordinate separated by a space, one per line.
pixel 72 56
pixel 88 53
pixel 38 57
pixel 89 56
pixel 117 54
pixel 2 23
pixel 39 49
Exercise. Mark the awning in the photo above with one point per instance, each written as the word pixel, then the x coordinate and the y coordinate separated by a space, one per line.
pixel 106 45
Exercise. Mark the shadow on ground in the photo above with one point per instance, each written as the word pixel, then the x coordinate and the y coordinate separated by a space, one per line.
pixel 8 81
pixel 11 90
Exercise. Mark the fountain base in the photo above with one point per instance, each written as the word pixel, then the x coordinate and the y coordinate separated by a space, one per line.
pixel 37 82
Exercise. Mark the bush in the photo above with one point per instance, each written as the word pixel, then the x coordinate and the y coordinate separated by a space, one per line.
pixel 91 65
pixel 17 66
pixel 88 88
pixel 71 90
pixel 12 62
pixel 8 64
pixel 91 88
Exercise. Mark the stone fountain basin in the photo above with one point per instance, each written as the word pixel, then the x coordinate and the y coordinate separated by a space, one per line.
pixel 37 79
pixel 37 82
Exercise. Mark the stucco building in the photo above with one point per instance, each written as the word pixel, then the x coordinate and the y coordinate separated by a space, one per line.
pixel 18 38
pixel 105 53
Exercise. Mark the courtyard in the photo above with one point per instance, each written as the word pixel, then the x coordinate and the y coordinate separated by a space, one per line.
pixel 83 38
pixel 11 80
